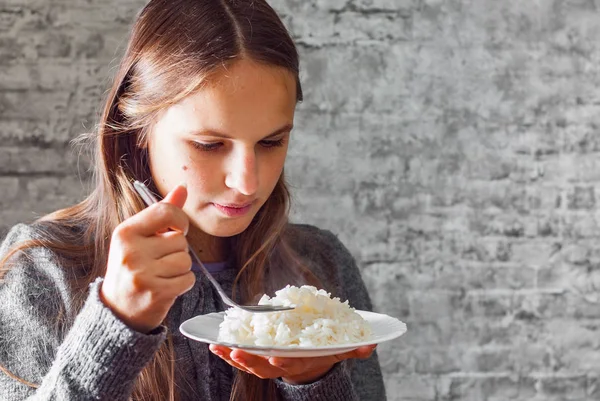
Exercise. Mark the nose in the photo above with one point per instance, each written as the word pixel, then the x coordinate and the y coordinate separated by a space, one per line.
pixel 243 172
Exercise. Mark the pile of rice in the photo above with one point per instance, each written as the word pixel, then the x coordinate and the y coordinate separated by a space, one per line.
pixel 318 320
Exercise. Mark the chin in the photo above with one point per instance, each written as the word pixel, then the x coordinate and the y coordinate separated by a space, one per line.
pixel 228 229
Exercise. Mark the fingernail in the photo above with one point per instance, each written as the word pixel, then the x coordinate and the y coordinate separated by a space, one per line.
pixel 239 360
pixel 183 184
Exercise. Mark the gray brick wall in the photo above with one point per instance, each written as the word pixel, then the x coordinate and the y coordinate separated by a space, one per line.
pixel 452 145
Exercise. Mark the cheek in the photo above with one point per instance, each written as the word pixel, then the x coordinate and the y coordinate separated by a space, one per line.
pixel 165 165
pixel 272 167
pixel 202 177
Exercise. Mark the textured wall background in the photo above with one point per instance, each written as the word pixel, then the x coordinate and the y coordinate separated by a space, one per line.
pixel 453 145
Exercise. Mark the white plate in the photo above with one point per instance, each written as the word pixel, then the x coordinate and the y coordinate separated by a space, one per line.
pixel 205 328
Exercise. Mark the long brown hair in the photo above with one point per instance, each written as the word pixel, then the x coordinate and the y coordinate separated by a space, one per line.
pixel 174 47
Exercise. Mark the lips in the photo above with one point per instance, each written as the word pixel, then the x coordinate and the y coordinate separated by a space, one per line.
pixel 233 205
pixel 233 210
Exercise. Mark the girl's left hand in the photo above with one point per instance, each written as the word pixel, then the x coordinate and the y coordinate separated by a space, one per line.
pixel 291 370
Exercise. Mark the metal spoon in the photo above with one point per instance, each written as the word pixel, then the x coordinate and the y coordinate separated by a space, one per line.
pixel 149 199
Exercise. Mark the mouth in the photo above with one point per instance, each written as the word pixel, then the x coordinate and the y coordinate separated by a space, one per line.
pixel 233 210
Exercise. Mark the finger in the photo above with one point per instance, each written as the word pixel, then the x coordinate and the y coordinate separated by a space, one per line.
pixel 177 196
pixel 224 354
pixel 180 284
pixel 165 244
pixel 358 353
pixel 299 366
pixel 158 218
pixel 366 351
pixel 257 365
pixel 174 265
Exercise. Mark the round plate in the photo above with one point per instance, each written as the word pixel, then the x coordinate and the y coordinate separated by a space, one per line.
pixel 205 328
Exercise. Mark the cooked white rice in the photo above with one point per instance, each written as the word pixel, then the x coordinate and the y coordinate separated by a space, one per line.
pixel 318 320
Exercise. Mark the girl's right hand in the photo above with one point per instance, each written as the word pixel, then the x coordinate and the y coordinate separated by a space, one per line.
pixel 148 265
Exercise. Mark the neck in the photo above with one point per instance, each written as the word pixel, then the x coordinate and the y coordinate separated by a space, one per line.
pixel 208 248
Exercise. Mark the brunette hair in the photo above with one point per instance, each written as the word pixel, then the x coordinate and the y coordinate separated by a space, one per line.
pixel 174 47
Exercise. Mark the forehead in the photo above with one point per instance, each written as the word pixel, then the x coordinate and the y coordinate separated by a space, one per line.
pixel 238 97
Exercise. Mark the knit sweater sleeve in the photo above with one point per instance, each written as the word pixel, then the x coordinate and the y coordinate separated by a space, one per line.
pixel 85 354
pixel 351 380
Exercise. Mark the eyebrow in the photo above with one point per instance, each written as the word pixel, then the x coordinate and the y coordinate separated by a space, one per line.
pixel 210 132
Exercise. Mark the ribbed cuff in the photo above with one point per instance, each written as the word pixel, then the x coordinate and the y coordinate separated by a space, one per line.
pixel 336 385
pixel 101 355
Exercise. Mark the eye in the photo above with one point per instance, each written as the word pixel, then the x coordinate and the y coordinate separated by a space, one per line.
pixel 207 147
pixel 272 143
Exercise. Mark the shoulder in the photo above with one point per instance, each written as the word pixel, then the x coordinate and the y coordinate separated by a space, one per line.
pixel 37 302
pixel 27 239
pixel 18 233
pixel 31 274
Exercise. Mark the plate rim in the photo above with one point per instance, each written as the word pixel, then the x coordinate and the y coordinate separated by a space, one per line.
pixel 296 349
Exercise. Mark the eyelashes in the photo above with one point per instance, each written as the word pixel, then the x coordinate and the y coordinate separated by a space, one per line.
pixel 206 147
pixel 213 146
pixel 272 143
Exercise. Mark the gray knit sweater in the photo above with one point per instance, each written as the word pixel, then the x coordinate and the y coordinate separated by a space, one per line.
pixel 97 357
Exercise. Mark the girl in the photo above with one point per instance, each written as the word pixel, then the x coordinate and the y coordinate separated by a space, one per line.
pixel 92 295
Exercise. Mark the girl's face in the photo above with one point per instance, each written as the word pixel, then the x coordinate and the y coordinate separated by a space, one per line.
pixel 228 142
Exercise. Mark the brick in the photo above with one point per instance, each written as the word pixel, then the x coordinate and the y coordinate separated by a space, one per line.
pixel 54 45
pixel 579 226
pixel 46 194
pixel 491 388
pixel 357 26
pixel 487 277
pixel 10 50
pixel 331 71
pixel 65 160
pixel 533 253
pixel 307 203
pixel 395 357
pixel 456 276
pixel 14 132
pixel 539 305
pixel 95 17
pixel 584 358
pixel 581 198
pixel 432 305
pixel 382 5
pixel 10 194
pixel 32 105
pixel 483 331
pixel 424 334
pixel 564 388
pixel 411 387
pixel 382 283
pixel 509 197
pixel 9 16
pixel 577 168
pixel 54 75
pixel 487 305
pixel 437 361
pixel 488 360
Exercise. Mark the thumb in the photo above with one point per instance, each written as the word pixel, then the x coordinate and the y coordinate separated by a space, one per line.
pixel 177 196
